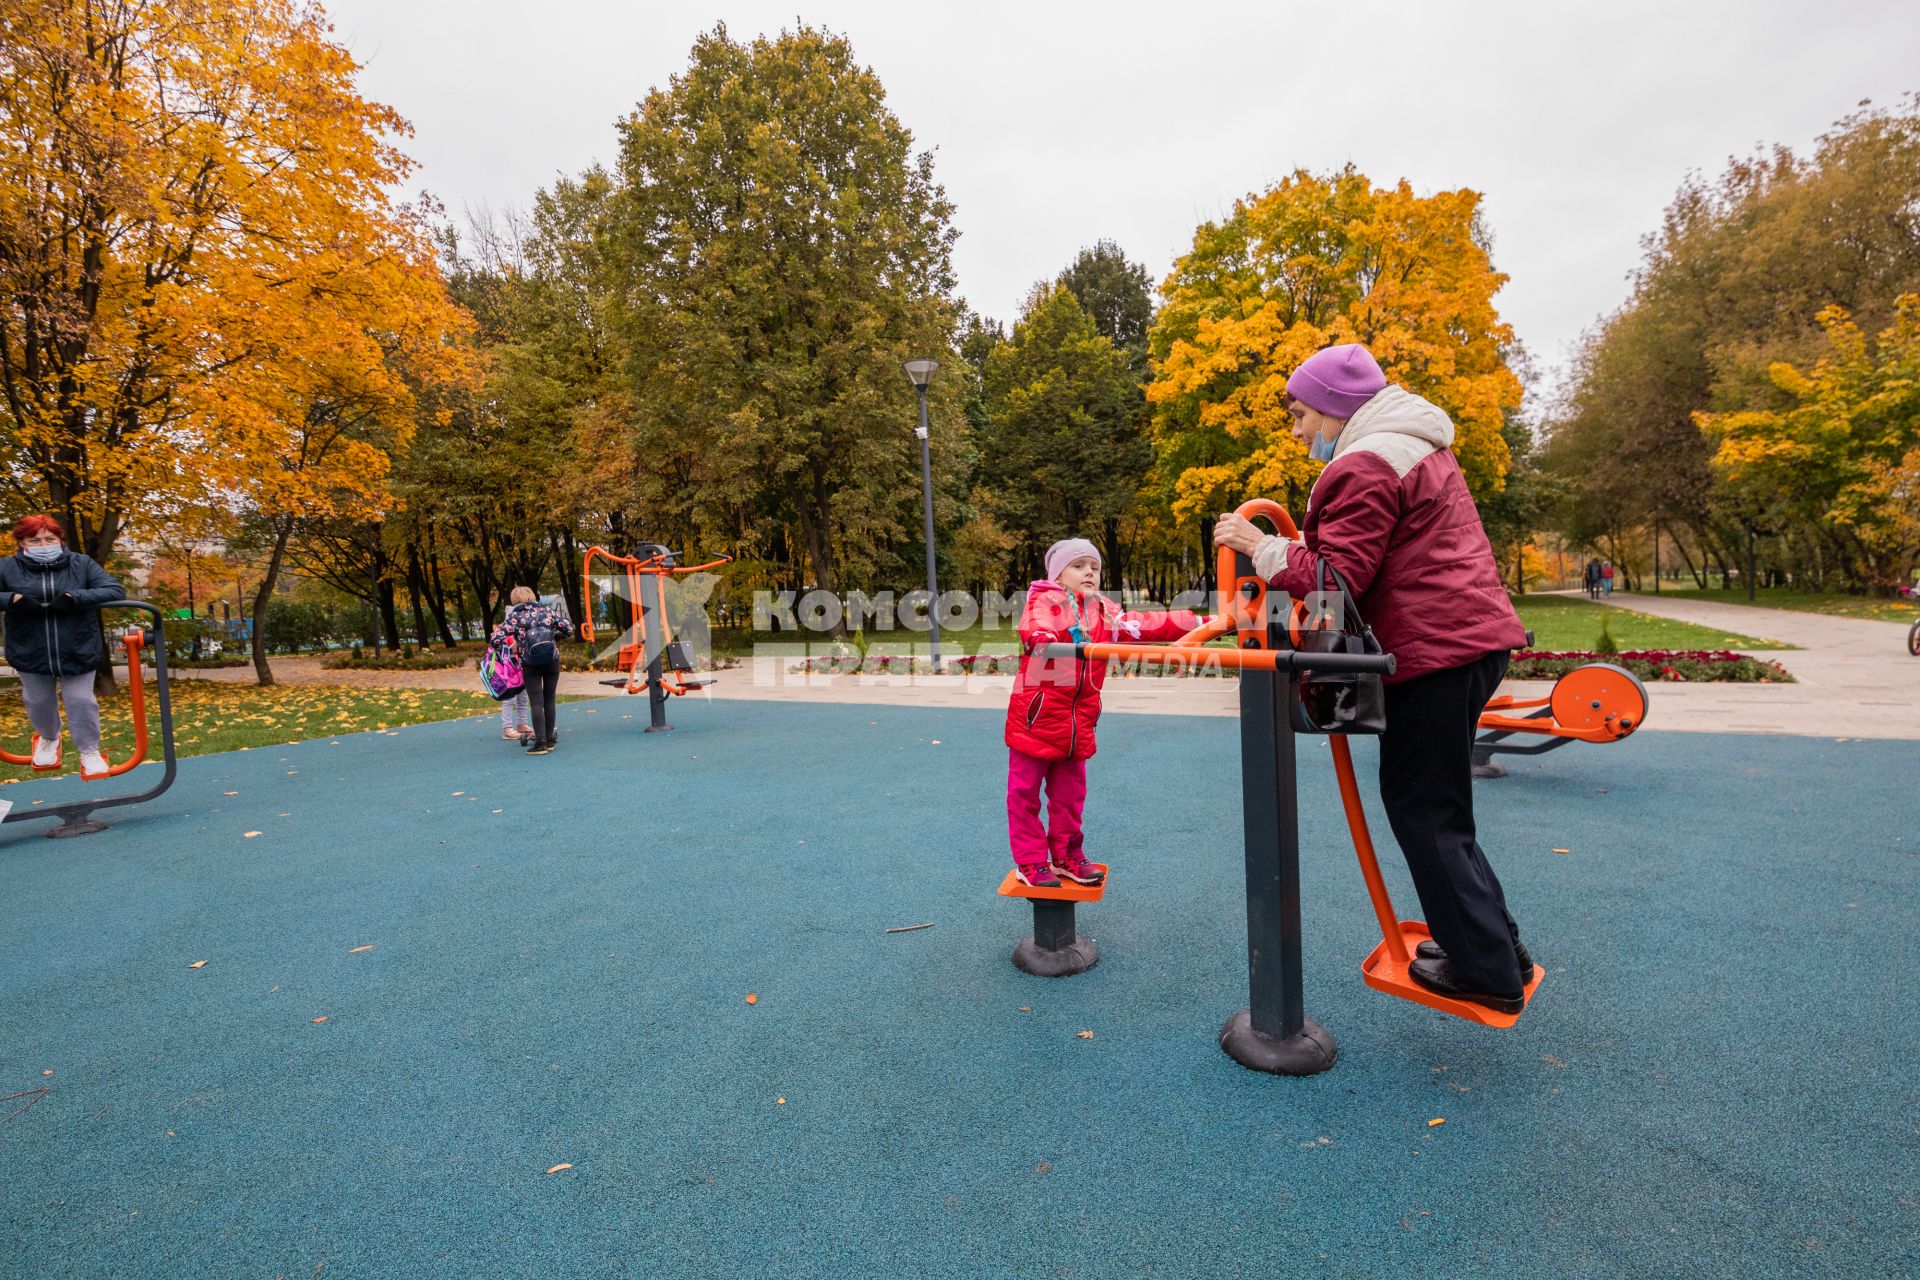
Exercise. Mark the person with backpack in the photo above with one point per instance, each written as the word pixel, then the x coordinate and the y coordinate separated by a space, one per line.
pixel 51 597
pixel 536 630
pixel 1392 513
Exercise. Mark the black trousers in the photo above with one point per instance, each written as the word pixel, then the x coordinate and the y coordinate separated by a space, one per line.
pixel 543 682
pixel 1426 783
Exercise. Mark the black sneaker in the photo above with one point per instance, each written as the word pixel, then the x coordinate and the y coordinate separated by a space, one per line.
pixel 1437 977
pixel 1430 950
pixel 537 748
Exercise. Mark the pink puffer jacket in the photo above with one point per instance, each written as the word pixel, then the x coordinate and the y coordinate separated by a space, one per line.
pixel 1056 701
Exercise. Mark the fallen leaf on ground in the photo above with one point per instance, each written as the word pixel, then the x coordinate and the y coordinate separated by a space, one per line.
pixel 935 742
pixel 1437 1120
pixel 229 793
pixel 780 1102
pixel 1086 1035
pixel 1026 1008
pixel 357 950
pixel 1563 851
pixel 320 1019
pixel 250 834
pixel 46 1073
pixel 198 964
pixel 752 998
pixel 456 793
pixel 557 1168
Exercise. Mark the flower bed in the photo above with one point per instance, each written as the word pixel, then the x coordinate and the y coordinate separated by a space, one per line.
pixel 1684 665
pixel 841 664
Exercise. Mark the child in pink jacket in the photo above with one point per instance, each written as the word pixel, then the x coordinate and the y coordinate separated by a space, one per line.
pixel 1055 707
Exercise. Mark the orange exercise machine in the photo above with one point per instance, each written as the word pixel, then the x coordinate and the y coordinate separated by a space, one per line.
pixel 1598 702
pixel 76 815
pixel 1273 1033
pixel 654 661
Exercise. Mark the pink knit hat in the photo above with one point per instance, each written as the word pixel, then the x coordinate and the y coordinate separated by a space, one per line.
pixel 1337 381
pixel 1065 552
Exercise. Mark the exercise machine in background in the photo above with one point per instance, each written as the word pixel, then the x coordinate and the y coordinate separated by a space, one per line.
pixel 655 663
pixel 76 815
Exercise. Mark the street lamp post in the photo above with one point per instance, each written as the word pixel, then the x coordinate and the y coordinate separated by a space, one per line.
pixel 920 373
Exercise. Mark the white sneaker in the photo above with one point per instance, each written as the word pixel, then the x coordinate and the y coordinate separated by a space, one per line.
pixel 93 764
pixel 46 755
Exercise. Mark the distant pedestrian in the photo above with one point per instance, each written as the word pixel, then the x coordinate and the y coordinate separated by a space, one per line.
pixel 536 630
pixel 52 598
pixel 1593 578
pixel 1606 577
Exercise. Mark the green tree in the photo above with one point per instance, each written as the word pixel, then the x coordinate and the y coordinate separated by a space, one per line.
pixel 1064 455
pixel 779 251
pixel 1118 295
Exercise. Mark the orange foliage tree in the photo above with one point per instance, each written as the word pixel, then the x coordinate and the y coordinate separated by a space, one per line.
pixel 164 165
pixel 1310 262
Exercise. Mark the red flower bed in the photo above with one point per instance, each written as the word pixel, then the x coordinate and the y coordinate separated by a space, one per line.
pixel 1655 664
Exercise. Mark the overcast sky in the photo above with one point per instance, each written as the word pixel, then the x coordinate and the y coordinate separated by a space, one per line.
pixel 1055 125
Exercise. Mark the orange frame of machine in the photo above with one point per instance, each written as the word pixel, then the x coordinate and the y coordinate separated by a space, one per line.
pixel 76 815
pixel 632 655
pixel 137 704
pixel 1241 602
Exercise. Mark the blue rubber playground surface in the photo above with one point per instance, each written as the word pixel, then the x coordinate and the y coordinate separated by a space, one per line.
pixel 525 963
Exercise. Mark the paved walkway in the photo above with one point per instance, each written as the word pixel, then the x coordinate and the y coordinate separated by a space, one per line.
pixel 1854 677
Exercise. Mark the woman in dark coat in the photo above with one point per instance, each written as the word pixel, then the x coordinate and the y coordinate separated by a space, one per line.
pixel 48 598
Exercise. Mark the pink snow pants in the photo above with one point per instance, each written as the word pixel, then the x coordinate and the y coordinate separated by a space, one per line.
pixel 1066 786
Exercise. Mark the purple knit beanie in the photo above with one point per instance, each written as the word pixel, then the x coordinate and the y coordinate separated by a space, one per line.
pixel 1337 381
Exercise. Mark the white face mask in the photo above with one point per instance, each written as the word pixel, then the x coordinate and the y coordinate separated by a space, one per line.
pixel 45 554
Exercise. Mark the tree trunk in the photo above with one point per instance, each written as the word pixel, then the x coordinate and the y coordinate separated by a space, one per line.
pixel 261 671
pixel 416 589
pixel 570 588
pixel 814 518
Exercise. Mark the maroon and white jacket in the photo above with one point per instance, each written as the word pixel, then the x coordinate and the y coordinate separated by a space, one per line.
pixel 1392 513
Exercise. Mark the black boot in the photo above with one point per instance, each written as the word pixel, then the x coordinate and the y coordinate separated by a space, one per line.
pixel 1437 977
pixel 1430 950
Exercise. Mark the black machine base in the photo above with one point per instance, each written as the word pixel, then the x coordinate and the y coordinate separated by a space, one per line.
pixel 76 826
pixel 1307 1053
pixel 1077 956
pixel 1488 768
pixel 657 728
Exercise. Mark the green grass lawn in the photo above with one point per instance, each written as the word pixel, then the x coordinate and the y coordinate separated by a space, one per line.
pixel 1830 602
pixel 1562 623
pixel 209 716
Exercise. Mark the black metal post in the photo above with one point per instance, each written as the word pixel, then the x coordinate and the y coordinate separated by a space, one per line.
pixel 1749 561
pixel 1055 950
pixel 656 660
pixel 1273 1033
pixel 926 491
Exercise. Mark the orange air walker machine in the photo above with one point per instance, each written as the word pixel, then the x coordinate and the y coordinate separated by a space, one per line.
pixel 76 816
pixel 653 660
pixel 1273 1033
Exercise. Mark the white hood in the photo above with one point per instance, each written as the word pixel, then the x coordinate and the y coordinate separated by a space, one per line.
pixel 1397 425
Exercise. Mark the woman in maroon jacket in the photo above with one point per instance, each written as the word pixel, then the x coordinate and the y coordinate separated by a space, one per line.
pixel 1392 513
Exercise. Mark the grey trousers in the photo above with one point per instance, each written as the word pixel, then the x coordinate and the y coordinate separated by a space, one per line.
pixel 43 707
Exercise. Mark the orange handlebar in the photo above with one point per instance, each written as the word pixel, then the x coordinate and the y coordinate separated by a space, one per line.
pixel 137 700
pixel 1183 657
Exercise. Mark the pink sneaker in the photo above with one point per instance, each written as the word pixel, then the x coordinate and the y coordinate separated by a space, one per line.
pixel 1035 876
pixel 1075 867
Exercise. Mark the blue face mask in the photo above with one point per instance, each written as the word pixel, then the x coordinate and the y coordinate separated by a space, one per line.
pixel 1321 450
pixel 45 555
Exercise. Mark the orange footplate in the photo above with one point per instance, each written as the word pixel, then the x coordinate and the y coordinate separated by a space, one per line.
pixel 1067 892
pixel 1386 968
pixel 1387 972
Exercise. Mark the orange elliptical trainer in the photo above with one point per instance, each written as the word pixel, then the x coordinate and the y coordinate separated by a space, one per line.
pixel 1318 696
pixel 76 816
pixel 654 661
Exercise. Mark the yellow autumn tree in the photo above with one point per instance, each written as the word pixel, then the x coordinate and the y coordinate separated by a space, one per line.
pixel 1310 262
pixel 1844 462
pixel 199 264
